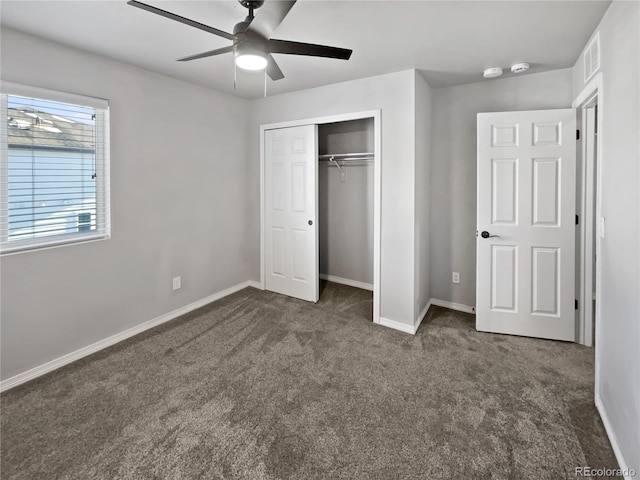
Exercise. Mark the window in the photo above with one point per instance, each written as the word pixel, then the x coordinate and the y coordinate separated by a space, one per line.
pixel 54 185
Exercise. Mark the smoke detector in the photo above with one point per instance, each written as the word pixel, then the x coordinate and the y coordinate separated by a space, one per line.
pixel 492 72
pixel 519 67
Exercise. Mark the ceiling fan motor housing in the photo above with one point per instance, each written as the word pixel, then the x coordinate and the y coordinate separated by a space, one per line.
pixel 241 28
pixel 248 42
pixel 245 46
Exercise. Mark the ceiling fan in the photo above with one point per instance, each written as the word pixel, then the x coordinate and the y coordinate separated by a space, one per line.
pixel 252 43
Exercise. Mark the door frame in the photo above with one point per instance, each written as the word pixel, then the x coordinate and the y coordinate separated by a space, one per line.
pixel 591 94
pixel 377 182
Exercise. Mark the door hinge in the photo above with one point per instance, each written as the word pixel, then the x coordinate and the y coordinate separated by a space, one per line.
pixel 577 220
pixel 577 134
pixel 576 303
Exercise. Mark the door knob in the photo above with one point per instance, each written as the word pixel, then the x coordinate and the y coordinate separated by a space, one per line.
pixel 486 234
pixel 310 222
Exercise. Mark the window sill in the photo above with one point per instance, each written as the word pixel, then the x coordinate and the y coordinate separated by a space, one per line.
pixel 24 248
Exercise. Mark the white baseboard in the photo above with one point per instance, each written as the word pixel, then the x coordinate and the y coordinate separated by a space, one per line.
pixel 403 327
pixel 453 306
pixel 421 316
pixel 118 337
pixel 346 281
pixel 248 283
pixel 612 437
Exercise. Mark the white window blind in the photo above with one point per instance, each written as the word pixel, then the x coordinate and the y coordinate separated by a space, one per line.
pixel 54 168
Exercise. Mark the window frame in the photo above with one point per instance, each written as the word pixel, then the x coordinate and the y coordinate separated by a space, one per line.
pixel 102 166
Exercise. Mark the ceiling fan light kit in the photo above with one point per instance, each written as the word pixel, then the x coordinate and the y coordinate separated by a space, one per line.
pixel 250 55
pixel 252 43
pixel 250 61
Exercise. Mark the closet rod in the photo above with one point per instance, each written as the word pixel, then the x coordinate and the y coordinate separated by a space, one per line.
pixel 352 161
pixel 346 156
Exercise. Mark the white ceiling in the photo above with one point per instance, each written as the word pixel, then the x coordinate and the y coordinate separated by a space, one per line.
pixel 451 42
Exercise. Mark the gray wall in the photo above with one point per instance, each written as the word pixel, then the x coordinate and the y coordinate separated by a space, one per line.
pixel 453 174
pixel 178 203
pixel 393 94
pixel 423 126
pixel 353 136
pixel 345 209
pixel 618 331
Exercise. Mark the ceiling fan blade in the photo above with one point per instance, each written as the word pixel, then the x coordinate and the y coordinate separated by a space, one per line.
pixel 270 16
pixel 210 53
pixel 273 70
pixel 297 48
pixel 178 18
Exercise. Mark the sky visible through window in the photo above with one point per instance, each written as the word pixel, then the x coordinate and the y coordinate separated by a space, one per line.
pixel 75 113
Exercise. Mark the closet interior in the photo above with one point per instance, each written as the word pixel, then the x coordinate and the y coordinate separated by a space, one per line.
pixel 346 201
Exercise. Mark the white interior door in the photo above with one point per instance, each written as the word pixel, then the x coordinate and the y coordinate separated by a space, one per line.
pixel 526 223
pixel 291 213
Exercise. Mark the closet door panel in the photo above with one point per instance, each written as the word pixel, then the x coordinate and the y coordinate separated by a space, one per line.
pixel 291 250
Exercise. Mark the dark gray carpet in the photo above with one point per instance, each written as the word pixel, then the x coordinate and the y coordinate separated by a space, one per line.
pixel 262 386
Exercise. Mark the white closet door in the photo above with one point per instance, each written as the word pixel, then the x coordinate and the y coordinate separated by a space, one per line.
pixel 526 223
pixel 291 236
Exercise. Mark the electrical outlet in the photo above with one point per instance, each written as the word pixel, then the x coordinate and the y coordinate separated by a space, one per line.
pixel 455 278
pixel 177 283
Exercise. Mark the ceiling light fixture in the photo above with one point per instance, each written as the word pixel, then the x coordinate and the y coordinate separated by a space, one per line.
pixel 250 56
pixel 248 61
pixel 492 72
pixel 519 67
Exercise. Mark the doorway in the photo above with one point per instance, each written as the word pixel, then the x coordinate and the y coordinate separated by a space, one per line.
pixel 591 225
pixel 347 173
pixel 345 202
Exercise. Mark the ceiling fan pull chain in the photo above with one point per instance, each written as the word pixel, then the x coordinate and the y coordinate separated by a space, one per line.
pixel 235 75
pixel 265 83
